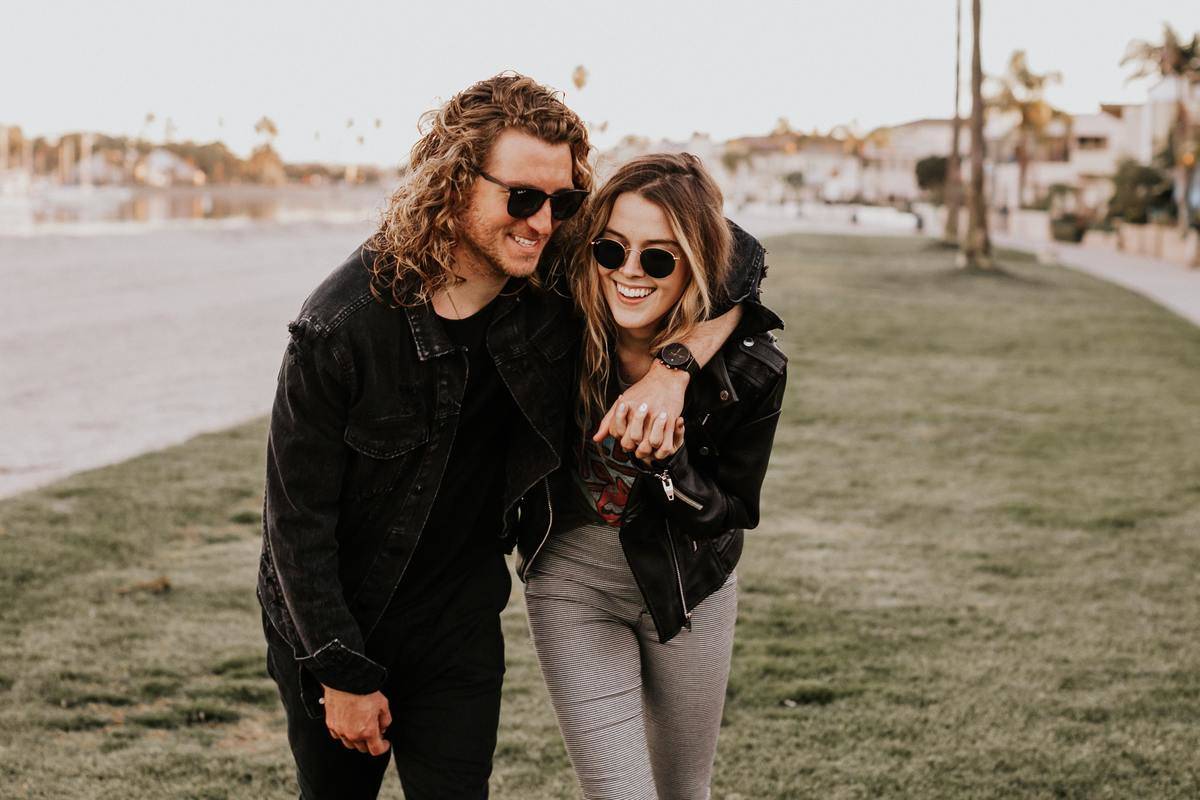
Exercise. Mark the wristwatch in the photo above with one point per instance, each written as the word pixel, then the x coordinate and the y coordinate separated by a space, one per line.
pixel 677 356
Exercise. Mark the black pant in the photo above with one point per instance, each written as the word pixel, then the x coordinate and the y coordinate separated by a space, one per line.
pixel 445 672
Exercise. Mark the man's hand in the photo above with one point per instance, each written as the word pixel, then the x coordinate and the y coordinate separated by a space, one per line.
pixel 634 413
pixel 358 720
pixel 638 411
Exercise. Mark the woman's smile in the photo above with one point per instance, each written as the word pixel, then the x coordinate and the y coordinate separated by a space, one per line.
pixel 633 294
pixel 639 302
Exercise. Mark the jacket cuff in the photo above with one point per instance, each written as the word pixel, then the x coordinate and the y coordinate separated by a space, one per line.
pixel 346 670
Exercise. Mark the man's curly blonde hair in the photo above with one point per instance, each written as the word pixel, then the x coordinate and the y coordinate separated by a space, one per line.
pixel 420 227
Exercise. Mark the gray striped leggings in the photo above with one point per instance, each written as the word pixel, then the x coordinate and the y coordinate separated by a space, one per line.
pixel 639 718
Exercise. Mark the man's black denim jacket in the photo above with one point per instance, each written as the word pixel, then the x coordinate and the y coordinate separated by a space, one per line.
pixel 364 416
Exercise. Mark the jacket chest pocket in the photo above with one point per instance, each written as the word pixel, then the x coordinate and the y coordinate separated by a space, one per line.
pixel 382 454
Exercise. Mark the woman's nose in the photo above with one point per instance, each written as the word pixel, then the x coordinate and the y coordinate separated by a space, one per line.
pixel 633 264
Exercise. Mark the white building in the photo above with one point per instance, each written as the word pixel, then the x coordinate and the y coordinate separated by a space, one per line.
pixel 892 154
pixel 1087 154
pixel 161 168
pixel 789 166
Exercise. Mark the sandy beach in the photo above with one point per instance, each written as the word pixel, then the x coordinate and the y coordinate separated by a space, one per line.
pixel 118 343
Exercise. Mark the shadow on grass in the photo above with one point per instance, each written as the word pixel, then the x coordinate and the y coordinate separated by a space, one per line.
pixel 996 273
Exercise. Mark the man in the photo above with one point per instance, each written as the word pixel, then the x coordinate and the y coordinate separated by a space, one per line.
pixel 421 406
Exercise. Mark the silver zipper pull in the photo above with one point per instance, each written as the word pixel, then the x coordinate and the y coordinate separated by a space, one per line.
pixel 668 484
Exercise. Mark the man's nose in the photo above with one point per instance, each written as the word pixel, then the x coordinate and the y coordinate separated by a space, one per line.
pixel 542 222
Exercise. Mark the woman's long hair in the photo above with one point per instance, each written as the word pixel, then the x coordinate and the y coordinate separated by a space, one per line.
pixel 681 186
pixel 420 227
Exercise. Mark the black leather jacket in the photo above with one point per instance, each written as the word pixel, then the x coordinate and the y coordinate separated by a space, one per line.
pixel 682 528
pixel 363 420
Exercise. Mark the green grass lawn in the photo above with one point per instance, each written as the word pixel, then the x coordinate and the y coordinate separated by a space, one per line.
pixel 975 575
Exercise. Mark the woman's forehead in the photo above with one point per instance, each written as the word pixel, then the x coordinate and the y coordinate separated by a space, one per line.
pixel 639 220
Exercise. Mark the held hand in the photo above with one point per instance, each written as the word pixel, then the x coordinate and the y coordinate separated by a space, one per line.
pixel 358 720
pixel 661 390
pixel 661 442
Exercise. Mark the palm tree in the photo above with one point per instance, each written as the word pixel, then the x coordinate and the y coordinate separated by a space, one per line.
pixel 267 128
pixel 977 247
pixel 953 167
pixel 1179 60
pixel 1021 92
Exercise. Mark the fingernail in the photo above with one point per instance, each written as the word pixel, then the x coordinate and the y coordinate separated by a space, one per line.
pixel 621 408
pixel 642 407
pixel 663 415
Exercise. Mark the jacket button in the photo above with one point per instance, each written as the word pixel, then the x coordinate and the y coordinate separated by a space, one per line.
pixel 748 342
pixel 724 395
pixel 418 488
pixel 704 451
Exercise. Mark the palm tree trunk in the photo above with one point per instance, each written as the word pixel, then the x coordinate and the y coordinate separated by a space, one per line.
pixel 1022 168
pixel 977 249
pixel 954 168
pixel 1183 174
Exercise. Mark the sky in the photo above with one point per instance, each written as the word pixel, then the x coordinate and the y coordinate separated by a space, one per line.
pixel 324 72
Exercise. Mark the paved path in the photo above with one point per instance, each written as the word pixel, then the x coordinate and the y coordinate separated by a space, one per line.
pixel 1170 285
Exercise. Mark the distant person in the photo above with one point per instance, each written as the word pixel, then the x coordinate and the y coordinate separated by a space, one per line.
pixel 421 407
pixel 631 592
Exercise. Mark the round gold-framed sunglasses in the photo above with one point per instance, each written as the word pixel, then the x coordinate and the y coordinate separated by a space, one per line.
pixel 656 261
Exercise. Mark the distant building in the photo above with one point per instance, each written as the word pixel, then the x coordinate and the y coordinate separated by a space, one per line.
pixel 100 168
pixel 891 155
pixel 1085 154
pixel 699 145
pixel 880 167
pixel 789 166
pixel 161 167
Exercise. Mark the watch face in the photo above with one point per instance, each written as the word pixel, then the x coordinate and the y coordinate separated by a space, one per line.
pixel 675 355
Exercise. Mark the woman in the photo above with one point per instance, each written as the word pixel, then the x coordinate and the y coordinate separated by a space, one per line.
pixel 632 594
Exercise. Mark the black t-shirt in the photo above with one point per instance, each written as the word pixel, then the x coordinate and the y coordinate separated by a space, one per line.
pixel 460 543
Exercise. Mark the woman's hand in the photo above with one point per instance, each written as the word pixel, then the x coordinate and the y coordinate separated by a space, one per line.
pixel 632 416
pixel 661 442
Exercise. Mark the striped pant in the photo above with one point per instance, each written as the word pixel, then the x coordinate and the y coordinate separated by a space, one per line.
pixel 639 718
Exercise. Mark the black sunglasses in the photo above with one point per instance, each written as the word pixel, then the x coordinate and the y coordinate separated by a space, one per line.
pixel 524 201
pixel 656 262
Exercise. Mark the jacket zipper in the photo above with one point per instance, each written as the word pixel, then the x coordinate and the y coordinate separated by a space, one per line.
pixel 687 615
pixel 633 494
pixel 671 492
pixel 546 535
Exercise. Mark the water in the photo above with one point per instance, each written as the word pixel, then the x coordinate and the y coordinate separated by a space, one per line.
pixel 113 345
pixel 72 210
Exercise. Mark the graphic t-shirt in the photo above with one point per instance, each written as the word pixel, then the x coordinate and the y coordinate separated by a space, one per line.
pixel 605 473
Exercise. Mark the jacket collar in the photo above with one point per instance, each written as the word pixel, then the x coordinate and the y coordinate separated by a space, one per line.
pixel 429 334
pixel 749 259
